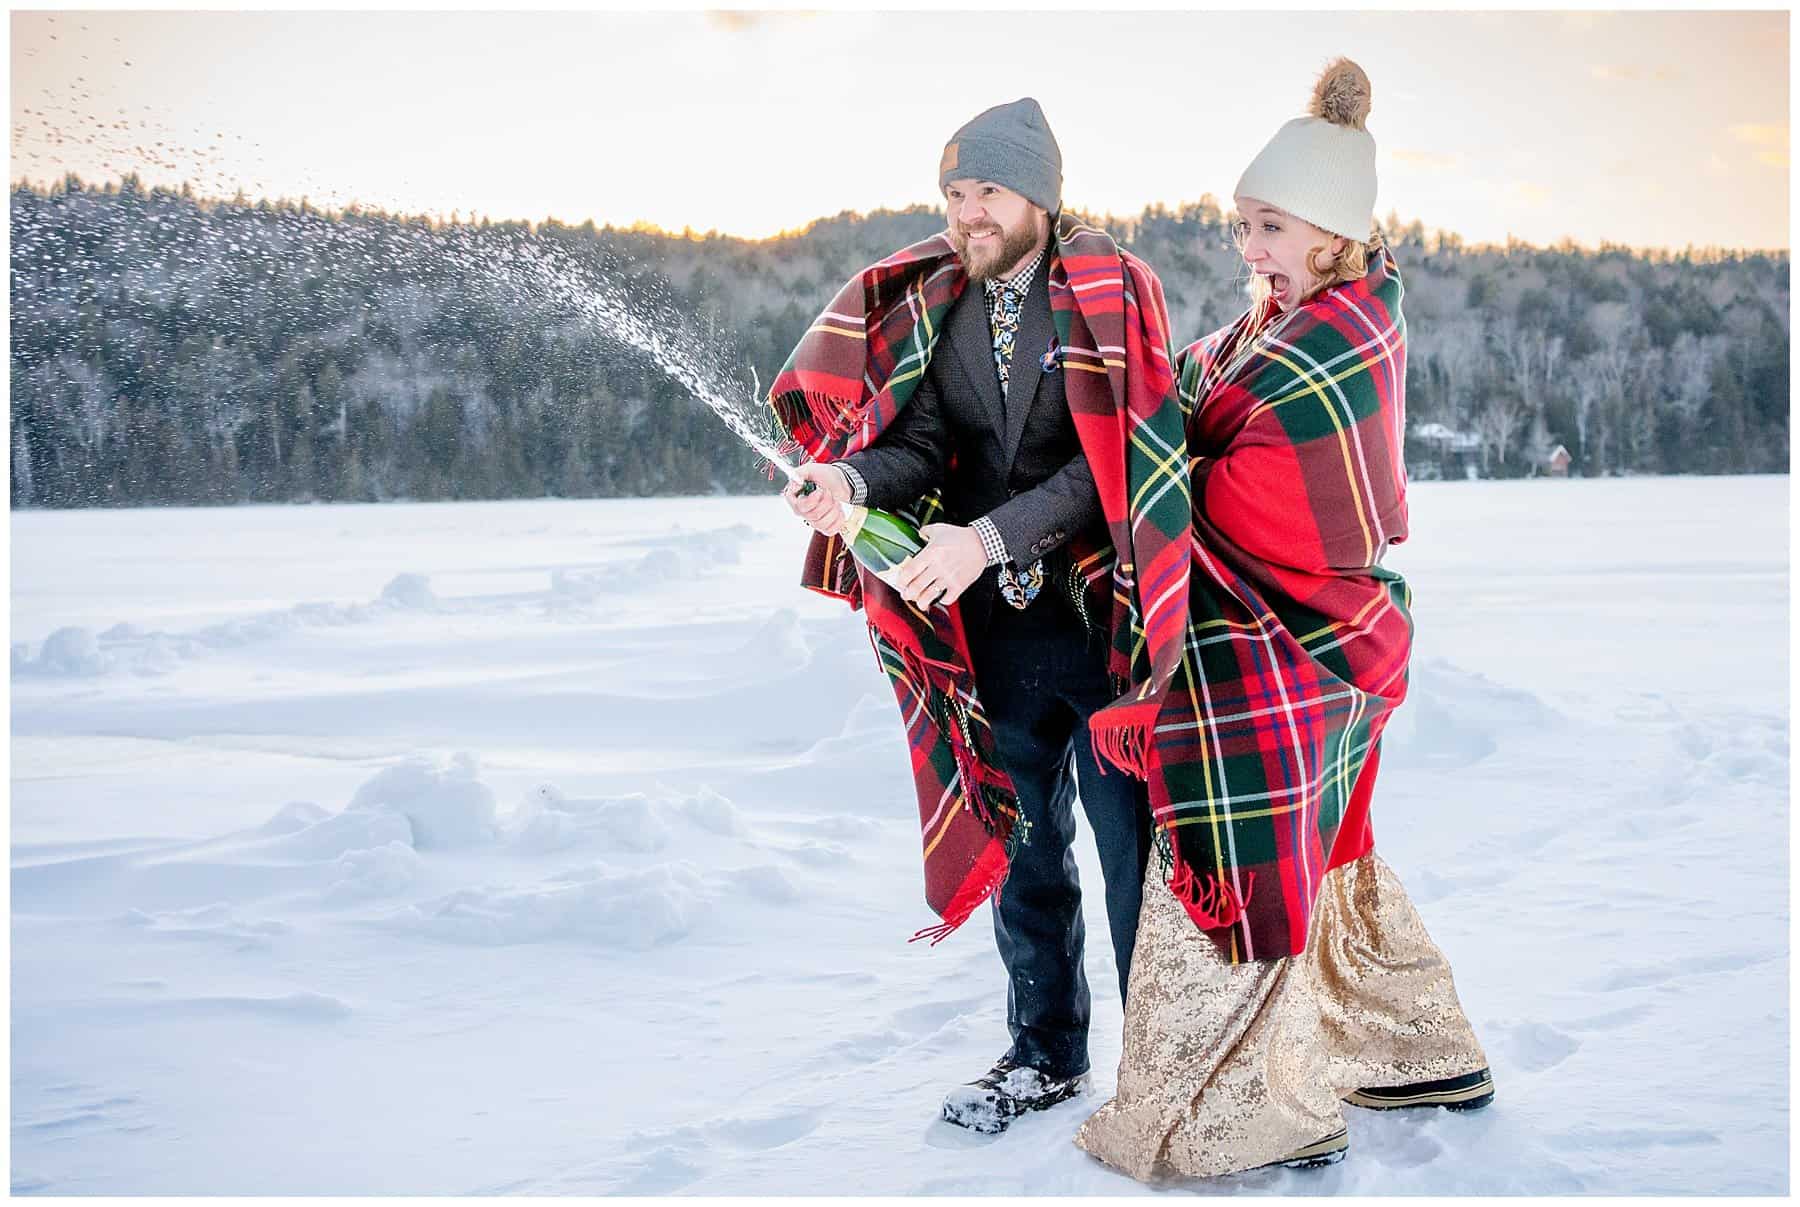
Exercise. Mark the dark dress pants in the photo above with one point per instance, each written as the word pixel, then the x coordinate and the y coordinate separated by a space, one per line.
pixel 1040 677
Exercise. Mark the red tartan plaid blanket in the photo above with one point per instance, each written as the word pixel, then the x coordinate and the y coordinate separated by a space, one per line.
pixel 845 382
pixel 1298 639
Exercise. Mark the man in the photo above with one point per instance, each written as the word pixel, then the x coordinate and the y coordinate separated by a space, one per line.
pixel 988 427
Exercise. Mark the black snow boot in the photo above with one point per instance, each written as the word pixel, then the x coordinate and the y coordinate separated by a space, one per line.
pixel 991 1102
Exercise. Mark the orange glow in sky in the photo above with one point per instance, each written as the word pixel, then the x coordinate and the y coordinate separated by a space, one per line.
pixel 1652 129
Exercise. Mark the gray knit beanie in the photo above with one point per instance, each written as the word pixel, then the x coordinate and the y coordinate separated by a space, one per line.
pixel 1011 145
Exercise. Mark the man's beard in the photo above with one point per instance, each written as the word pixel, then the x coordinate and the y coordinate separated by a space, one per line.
pixel 1014 246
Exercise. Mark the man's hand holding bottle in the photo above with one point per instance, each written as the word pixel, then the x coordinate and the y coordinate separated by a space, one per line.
pixel 952 559
pixel 822 508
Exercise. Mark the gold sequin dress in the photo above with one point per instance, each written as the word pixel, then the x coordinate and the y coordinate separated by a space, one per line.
pixel 1228 1067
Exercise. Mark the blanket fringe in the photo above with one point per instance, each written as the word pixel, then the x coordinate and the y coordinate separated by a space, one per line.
pixel 1211 903
pixel 988 797
pixel 1121 736
pixel 993 807
pixel 821 415
pixel 984 881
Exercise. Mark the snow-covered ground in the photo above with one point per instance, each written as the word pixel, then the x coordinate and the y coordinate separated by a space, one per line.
pixel 568 847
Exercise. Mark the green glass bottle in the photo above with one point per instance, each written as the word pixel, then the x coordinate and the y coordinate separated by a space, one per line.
pixel 878 539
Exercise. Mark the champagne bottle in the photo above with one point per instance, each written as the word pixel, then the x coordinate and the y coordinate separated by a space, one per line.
pixel 878 539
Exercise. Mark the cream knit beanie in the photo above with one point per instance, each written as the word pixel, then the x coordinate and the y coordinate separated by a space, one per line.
pixel 1321 167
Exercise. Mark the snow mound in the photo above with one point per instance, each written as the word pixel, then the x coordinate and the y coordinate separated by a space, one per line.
pixel 216 922
pixel 818 854
pixel 1747 749
pixel 628 823
pixel 658 566
pixel 382 871
pixel 765 883
pixel 846 825
pixel 636 908
pixel 712 812
pixel 156 654
pixel 336 834
pixel 445 806
pixel 718 545
pixel 540 823
pixel 295 815
pixel 547 820
pixel 77 651
pixel 676 557
pixel 778 642
pixel 569 583
pixel 248 630
pixel 1452 717
pixel 666 565
pixel 633 908
pixel 410 591
pixel 870 728
pixel 70 651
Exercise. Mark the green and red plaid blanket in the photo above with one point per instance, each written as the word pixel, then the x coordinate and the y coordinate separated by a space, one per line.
pixel 1298 639
pixel 851 374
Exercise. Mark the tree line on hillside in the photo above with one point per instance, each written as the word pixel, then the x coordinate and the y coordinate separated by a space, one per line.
pixel 168 349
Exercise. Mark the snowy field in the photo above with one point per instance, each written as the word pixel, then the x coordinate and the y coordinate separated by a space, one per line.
pixel 568 847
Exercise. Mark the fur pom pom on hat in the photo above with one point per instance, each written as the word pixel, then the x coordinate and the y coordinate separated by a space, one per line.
pixel 1321 167
pixel 1341 96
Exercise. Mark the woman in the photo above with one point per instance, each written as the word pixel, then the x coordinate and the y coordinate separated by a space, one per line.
pixel 1284 971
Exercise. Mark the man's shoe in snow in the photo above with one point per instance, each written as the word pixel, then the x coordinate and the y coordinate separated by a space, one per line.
pixel 990 1103
pixel 1469 1092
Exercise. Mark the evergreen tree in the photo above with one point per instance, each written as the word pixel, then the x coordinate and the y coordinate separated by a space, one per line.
pixel 171 349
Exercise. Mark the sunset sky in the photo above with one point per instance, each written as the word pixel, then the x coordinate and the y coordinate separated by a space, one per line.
pixel 1652 129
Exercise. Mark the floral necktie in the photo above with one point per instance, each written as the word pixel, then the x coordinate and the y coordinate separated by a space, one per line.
pixel 1003 316
pixel 1017 588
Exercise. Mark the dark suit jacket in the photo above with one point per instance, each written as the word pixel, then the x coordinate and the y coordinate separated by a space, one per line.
pixel 1016 460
